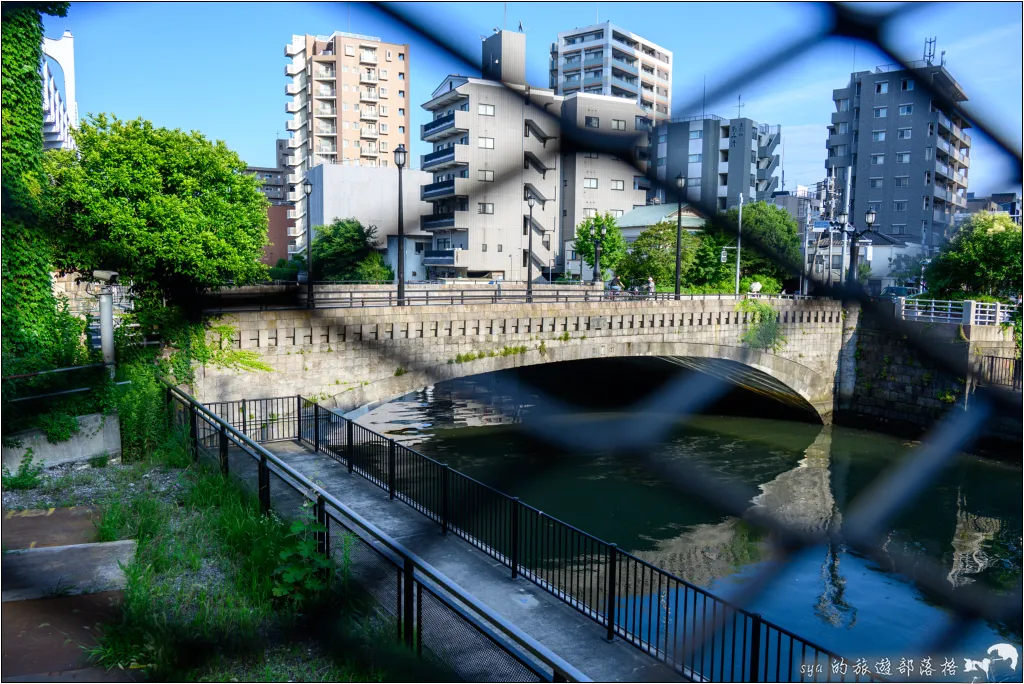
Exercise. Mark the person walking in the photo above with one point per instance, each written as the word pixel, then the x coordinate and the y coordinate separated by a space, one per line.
pixel 650 287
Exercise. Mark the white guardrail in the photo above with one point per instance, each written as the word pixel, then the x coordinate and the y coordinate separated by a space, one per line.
pixel 967 312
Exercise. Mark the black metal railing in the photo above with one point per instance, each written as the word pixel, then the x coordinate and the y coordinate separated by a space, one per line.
pixel 437 156
pixel 698 634
pixel 994 370
pixel 439 123
pixel 430 614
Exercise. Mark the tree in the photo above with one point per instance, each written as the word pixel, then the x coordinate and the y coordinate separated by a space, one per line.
pixel 983 258
pixel 904 268
pixel 613 246
pixel 707 269
pixel 771 242
pixel 654 255
pixel 374 269
pixel 170 211
pixel 340 248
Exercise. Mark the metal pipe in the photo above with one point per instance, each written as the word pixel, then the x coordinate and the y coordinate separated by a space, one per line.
pixel 106 297
pixel 739 243
pixel 57 370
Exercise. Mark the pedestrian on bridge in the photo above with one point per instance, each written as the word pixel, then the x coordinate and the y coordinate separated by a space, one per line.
pixel 651 289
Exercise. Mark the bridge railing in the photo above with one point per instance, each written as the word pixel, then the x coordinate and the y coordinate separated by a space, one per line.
pixel 698 634
pixel 967 312
pixel 998 371
pixel 453 632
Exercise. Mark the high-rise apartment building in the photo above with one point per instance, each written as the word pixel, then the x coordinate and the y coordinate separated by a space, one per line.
pixel 895 149
pixel 60 112
pixel 494 147
pixel 350 105
pixel 721 159
pixel 605 59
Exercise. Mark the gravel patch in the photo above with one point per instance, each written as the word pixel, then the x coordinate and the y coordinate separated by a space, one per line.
pixel 80 484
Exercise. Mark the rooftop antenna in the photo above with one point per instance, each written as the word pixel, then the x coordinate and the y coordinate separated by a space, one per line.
pixel 504 20
pixel 929 50
pixel 704 98
pixel 942 58
pixel 783 165
pixel 739 106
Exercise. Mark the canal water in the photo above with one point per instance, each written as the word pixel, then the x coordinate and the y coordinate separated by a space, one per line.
pixel 968 521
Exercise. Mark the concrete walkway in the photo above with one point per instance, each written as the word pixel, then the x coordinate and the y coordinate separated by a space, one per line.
pixel 556 625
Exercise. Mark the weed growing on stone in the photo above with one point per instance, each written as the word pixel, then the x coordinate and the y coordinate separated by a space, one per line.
pixel 27 475
pixel 400 371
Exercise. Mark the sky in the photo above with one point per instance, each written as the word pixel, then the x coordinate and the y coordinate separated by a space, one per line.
pixel 218 68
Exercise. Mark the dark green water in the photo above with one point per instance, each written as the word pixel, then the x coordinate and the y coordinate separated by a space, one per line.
pixel 968 520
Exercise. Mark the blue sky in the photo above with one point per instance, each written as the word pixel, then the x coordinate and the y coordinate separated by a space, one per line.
pixel 219 67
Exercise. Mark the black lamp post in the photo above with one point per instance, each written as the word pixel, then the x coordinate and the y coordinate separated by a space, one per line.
pixel 842 218
pixel 307 188
pixel 597 254
pixel 680 185
pixel 530 200
pixel 869 219
pixel 400 158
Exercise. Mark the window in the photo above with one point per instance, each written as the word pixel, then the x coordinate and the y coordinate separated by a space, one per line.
pixel 401 111
pixel 877 159
pixel 926 203
pixel 906 84
pixel 388 56
pixel 384 128
pixel 350 50
pixel 616 213
pixel 483 247
pixel 843 105
pixel 694 158
pixel 618 185
pixel 486 176
pixel 931 129
pixel 875 183
pixel 383 110
pixel 902 157
pixel 589 212
pixel 844 127
pixel 693 182
pixel 899 205
pixel 881 87
pixel 906 110
pixel 401 129
pixel 485 208
pixel 401 75
pixel 383 73
pixel 618 124
pixel 383 146
pixel 383 92
pixel 485 143
pixel 401 56
pixel 881 112
pixel 877 136
pixel 928 153
pixel 499 248
pixel 902 181
pixel 662 138
pixel 591 122
pixel 661 161
pixel 485 110
pixel 590 155
pixel 875 206
pixel 590 183
pixel 401 93
pixel 899 228
pixel 903 134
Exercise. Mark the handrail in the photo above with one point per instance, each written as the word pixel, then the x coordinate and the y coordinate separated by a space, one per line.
pixel 561 668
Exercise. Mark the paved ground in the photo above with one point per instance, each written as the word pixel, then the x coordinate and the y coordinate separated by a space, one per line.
pixel 30 529
pixel 556 625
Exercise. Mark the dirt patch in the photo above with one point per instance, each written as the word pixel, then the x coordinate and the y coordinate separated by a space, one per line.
pixel 79 484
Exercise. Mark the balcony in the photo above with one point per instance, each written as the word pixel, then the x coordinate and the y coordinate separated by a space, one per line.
pixel 943 120
pixel 295 231
pixel 942 169
pixel 941 193
pixel 456 122
pixel 593 61
pixel 445 257
pixel 327 149
pixel 326 93
pixel 297 141
pixel 625 66
pixel 367 96
pixel 294 49
pixel 294 178
pixel 367 58
pixel 443 159
pixel 295 196
pixel 445 221
pixel 368 77
pixel 294 89
pixel 294 69
pixel 325 75
pixel 293 107
pixel 368 114
pixel 326 111
pixel 943 145
pixel 297 248
pixel 592 80
pixel 370 133
pixel 723 191
pixel 295 124
pixel 296 213
pixel 453 187
pixel 366 151
pixel 326 130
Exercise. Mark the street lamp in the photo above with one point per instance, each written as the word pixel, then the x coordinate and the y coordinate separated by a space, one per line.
pixel 400 158
pixel 842 219
pixel 680 184
pixel 869 219
pixel 530 200
pixel 307 188
pixel 597 255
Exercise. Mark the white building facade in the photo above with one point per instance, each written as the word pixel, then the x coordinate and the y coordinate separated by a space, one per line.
pixel 60 113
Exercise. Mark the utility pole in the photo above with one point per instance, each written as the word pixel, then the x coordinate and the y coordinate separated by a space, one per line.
pixel 739 244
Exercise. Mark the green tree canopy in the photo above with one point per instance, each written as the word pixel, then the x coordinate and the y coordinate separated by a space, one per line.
pixel 983 258
pixel 613 246
pixel 653 254
pixel 374 269
pixel 770 226
pixel 707 269
pixel 340 248
pixel 905 268
pixel 170 211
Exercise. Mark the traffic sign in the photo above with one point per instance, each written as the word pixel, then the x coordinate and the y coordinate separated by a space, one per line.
pixel 819 226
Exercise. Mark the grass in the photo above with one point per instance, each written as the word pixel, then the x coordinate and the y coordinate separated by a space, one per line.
pixel 27 475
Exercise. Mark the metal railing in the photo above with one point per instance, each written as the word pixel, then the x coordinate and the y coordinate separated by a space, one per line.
pixel 678 623
pixel 999 371
pixel 967 312
pixel 431 615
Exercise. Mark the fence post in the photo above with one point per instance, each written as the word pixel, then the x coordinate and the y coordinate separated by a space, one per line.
pixel 193 432
pixel 391 469
pixel 316 427
pixel 223 449
pixel 970 312
pixel 264 485
pixel 322 538
pixel 444 498
pixel 613 563
pixel 515 536
pixel 755 648
pixel 244 417
pixel 298 418
pixel 407 612
pixel 350 448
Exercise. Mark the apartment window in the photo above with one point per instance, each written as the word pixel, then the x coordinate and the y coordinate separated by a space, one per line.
pixel 618 124
pixel 401 129
pixel 616 213
pixel 383 146
pixel 843 105
pixel 483 247
pixel 485 110
pixel 902 157
pixel 693 182
pixel 401 93
pixel 881 88
pixel 927 177
pixel 931 129
pixel 590 212
pixel 401 111
pixel 350 50
pixel 384 128
pixel 696 134
pixel 903 134
pixel 902 181
pixel 899 228
pixel 661 161
pixel 401 75
pixel 881 112
pixel 344 125
pixel 590 183
pixel 618 185
pixel 383 73
pixel 401 56
pixel 499 248
pixel 662 138
pixel 344 143
pixel 899 205
pixel 907 84
pixel 485 175
pixel 694 158
pixel 875 183
pixel 928 154
pixel 875 206
pixel 344 87
pixel 383 92
pixel 877 159
pixel 383 110
pixel 485 208
pixel 926 203
pixel 906 110
pixel 591 121
pixel 877 136
pixel 844 127
pixel 485 143
pixel 388 56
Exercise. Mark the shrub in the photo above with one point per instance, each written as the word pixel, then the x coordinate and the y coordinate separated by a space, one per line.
pixel 27 476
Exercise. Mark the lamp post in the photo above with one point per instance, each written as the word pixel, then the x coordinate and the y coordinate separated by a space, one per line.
pixel 842 218
pixel 530 200
pixel 307 188
pixel 680 184
pixel 597 255
pixel 869 220
pixel 400 158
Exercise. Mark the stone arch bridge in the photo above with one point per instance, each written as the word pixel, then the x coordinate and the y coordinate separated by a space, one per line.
pixel 351 358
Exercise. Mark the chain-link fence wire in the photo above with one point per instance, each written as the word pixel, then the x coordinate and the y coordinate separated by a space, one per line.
pixel 648 423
